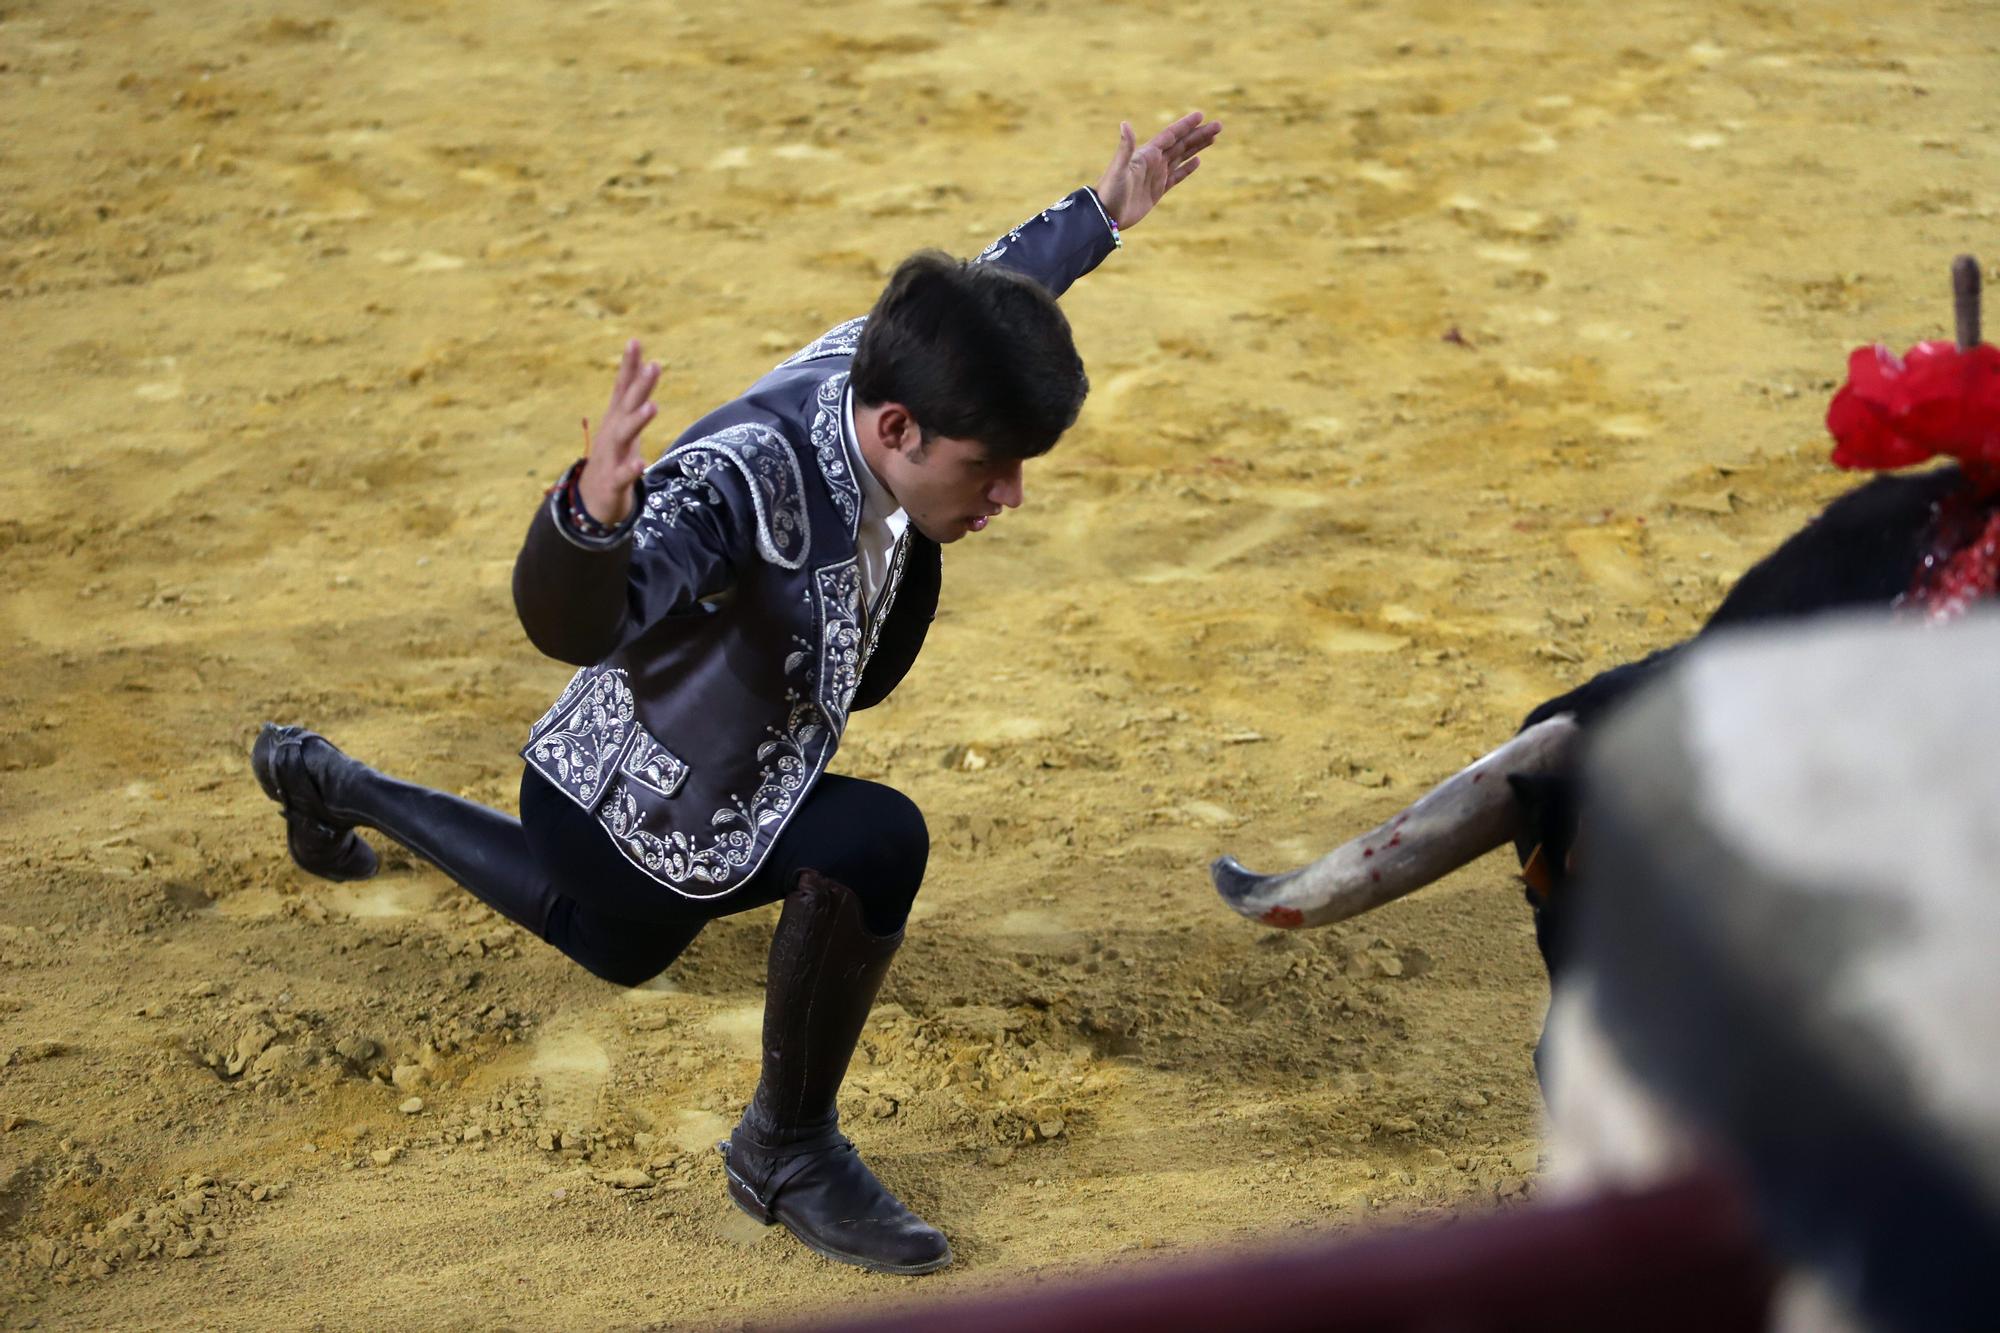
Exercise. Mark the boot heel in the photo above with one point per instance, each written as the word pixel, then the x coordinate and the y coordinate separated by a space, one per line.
pixel 747 1204
pixel 740 1194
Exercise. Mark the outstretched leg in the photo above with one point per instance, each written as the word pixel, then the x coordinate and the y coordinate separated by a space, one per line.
pixel 327 794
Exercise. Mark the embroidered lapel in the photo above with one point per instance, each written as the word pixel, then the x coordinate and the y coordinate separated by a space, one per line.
pixel 873 621
pixel 829 445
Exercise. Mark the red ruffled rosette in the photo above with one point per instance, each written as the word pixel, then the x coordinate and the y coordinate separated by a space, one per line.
pixel 1934 400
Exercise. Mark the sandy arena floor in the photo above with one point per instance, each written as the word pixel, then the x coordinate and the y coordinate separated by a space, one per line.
pixel 302 305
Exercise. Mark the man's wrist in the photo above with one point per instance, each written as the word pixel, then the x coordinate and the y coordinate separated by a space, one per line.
pixel 595 506
pixel 575 519
pixel 1117 240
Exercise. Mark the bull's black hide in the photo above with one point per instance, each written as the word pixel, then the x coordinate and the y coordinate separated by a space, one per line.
pixel 1863 550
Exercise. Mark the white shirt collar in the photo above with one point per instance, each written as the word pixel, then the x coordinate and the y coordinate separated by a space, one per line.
pixel 876 502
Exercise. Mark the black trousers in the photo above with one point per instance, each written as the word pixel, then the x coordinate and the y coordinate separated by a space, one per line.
pixel 625 927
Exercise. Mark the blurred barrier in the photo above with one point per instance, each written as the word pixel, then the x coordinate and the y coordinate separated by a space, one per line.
pixel 1681 1257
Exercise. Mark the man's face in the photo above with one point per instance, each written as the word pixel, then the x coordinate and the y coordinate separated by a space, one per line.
pixel 950 486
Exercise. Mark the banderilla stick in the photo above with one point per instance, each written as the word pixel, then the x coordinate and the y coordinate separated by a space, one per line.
pixel 1965 300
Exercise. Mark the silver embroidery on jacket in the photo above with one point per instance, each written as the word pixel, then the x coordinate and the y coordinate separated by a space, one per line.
pixel 887 599
pixel 839 607
pixel 829 442
pixel 777 490
pixel 840 340
pixel 670 498
pixel 677 859
pixel 651 763
pixel 575 683
pixel 579 749
pixel 592 746
pixel 999 247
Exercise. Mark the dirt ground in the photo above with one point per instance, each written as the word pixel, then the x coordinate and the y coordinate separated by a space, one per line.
pixel 1491 342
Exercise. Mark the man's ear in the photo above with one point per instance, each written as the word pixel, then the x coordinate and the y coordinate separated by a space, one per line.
pixel 898 429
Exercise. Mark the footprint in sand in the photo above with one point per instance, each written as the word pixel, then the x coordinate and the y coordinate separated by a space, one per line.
pixel 378 900
pixel 1353 639
pixel 741 1028
pixel 1626 426
pixel 1298 851
pixel 1382 174
pixel 1107 399
pixel 1599 332
pixel 572 1068
pixel 362 901
pixel 1607 561
pixel 168 386
pixel 1045 928
pixel 699 1131
pixel 260 278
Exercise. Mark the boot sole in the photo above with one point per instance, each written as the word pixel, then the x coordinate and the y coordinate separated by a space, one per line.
pixel 746 1203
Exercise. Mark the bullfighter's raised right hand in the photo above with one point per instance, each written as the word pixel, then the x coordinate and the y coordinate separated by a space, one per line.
pixel 615 461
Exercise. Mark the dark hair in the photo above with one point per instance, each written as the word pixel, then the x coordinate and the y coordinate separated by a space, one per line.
pixel 975 351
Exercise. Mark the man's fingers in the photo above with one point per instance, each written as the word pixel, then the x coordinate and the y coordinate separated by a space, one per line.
pixel 619 432
pixel 1190 139
pixel 628 362
pixel 641 386
pixel 1198 140
pixel 1174 133
pixel 634 423
pixel 1121 157
pixel 1183 171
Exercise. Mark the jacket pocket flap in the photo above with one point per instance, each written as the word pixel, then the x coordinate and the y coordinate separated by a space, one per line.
pixel 652 765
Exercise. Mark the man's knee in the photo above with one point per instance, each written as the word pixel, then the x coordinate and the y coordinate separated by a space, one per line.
pixel 885 864
pixel 903 828
pixel 624 953
pixel 888 860
pixel 626 972
pixel 639 960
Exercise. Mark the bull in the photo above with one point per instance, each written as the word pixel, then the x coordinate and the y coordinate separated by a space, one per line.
pixel 1928 541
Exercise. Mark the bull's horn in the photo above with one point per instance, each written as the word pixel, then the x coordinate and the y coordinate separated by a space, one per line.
pixel 1464 817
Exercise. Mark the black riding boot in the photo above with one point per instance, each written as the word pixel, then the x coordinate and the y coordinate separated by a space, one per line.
pixel 787 1160
pixel 325 794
